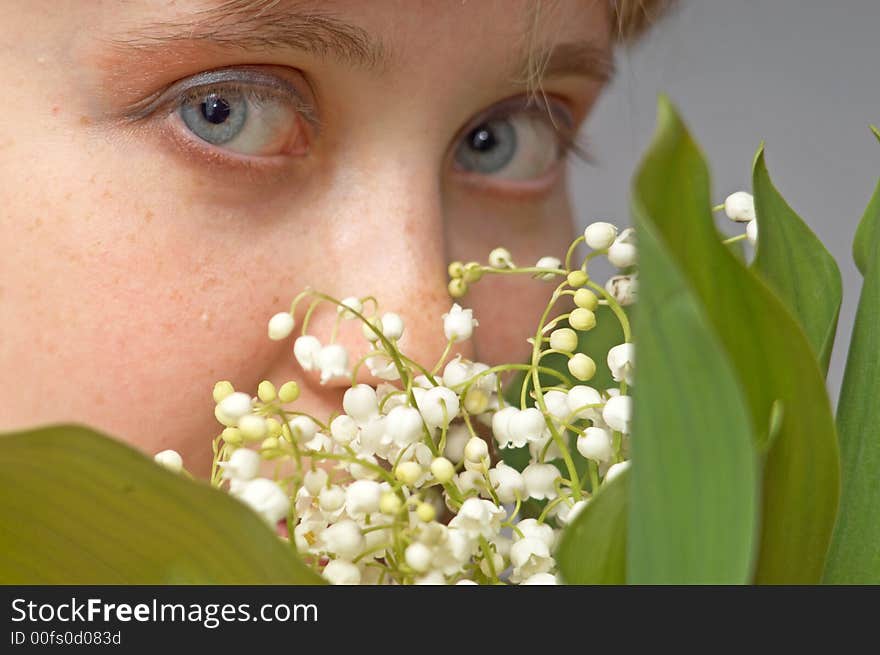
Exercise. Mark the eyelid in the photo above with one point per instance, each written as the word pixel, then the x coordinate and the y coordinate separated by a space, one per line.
pixel 239 76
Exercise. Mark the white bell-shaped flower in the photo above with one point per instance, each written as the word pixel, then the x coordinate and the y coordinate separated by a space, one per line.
pixel 622 362
pixel 266 498
pixel 580 397
pixel 477 517
pixel 458 323
pixel 243 465
pixel 362 497
pixel 306 349
pixel 235 405
pixel 557 404
pixel 341 572
pixel 346 305
pixel 392 326
pixel 343 429
pixel 529 557
pixel 617 413
pixel 418 556
pixel 404 425
pixel 302 428
pixel 170 459
pixel 343 539
pixel 596 444
pixel 540 480
pixel 507 482
pixel 501 428
pixel 439 405
pixel 526 425
pixel 332 361
pixel 531 529
pixel 623 288
pixel 623 253
pixel 616 469
pixel 552 263
pixel 540 579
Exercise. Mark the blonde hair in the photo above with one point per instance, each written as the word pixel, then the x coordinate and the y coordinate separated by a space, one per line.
pixel 632 18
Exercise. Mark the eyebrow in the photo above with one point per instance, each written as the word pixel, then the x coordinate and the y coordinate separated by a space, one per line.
pixel 264 25
pixel 570 58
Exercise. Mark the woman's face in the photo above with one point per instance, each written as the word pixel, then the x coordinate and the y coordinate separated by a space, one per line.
pixel 173 173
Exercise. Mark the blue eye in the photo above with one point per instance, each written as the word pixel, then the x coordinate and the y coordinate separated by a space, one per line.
pixel 247 119
pixel 216 118
pixel 521 145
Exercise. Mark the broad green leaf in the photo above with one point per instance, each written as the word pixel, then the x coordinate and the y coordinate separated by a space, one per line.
pixel 593 548
pixel 694 488
pixel 770 354
pixel 854 557
pixel 868 231
pixel 795 264
pixel 77 507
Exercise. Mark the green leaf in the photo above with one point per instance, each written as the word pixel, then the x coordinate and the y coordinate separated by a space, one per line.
pixel 854 557
pixel 592 549
pixel 770 354
pixel 795 264
pixel 694 489
pixel 77 507
pixel 868 231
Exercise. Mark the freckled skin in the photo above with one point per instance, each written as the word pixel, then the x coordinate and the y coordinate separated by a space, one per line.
pixel 133 278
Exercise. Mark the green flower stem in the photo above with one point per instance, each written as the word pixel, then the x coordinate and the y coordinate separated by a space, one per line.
pixel 571 249
pixel 536 383
pixel 487 556
pixel 617 309
pixel 443 356
pixel 549 507
pixel 738 237
pixel 594 476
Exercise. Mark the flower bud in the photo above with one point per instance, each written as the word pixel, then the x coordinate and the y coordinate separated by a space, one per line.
pixel 596 444
pixel 564 339
pixel 315 480
pixel 457 287
pixel 266 391
pixel 360 403
pixel 390 503
pixel 752 231
pixel 507 482
pixel 615 469
pixel 426 512
pixel 548 262
pixel 170 459
pixel 600 235
pixel 362 497
pixel 456 269
pixel 288 392
pixel 270 443
pixel 280 326
pixel 235 405
pixel 404 425
pixel 232 436
pixel 586 299
pixel 740 207
pixel 252 427
pixel 438 406
pixel 408 473
pixel 582 367
pixel 347 305
pixel 472 272
pixel 500 258
pixel 476 401
pixel 476 450
pixel 582 319
pixel 577 279
pixel 331 499
pixel 442 470
pixel 302 428
pixel 222 389
pixel 579 397
pixel 418 556
pixel 497 564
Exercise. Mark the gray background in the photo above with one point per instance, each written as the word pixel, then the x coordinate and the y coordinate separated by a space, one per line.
pixel 799 74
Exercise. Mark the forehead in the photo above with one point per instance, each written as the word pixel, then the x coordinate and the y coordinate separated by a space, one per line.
pixel 382 33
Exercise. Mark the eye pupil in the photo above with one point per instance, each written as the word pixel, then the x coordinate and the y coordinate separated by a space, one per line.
pixel 215 109
pixel 482 139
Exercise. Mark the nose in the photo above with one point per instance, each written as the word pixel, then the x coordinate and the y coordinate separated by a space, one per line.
pixel 388 242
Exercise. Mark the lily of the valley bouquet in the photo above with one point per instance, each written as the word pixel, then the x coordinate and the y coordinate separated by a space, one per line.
pixel 713 458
